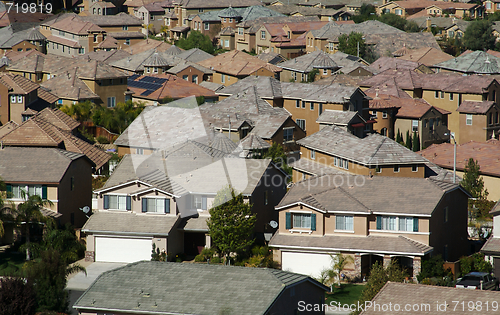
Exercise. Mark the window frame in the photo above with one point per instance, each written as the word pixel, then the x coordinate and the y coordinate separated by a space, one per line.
pixel 468 119
pixel 299 123
pixel 288 134
pixel 342 224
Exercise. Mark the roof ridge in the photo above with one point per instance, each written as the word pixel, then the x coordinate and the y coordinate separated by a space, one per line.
pixel 353 198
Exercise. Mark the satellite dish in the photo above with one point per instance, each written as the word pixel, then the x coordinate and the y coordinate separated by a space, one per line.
pixel 86 209
pixel 273 224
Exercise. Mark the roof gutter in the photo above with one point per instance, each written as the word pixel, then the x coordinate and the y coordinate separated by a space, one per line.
pixel 128 311
pixel 124 233
pixel 349 250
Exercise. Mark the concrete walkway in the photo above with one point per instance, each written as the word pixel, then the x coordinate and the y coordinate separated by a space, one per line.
pixel 81 282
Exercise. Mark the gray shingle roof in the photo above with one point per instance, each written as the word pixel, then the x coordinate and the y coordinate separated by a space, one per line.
pixel 222 143
pixel 332 31
pixel 229 13
pixel 135 62
pixel 35 165
pixel 336 117
pixel 253 142
pixel 492 246
pixel 194 55
pixel 370 243
pixel 173 50
pixel 175 288
pixel 371 150
pixel 267 87
pixel 478 62
pixel 335 192
pixel 155 60
pixel 306 63
pixel 129 223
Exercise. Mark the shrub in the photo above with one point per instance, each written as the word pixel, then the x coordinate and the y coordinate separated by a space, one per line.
pixel 199 258
pixel 102 140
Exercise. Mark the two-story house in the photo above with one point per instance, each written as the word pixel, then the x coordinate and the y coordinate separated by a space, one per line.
pixel 491 249
pixel 355 216
pixel 164 198
pixel 125 28
pixel 478 120
pixel 476 62
pixel 62 177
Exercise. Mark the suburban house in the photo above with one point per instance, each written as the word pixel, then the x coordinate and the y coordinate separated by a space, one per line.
pixel 123 27
pixel 484 153
pixel 352 215
pixel 60 176
pixel 298 69
pixel 235 65
pixel 151 15
pixel 335 149
pixel 444 91
pixel 478 120
pixel 428 56
pixel 21 37
pixel 52 128
pixel 18 94
pixel 135 63
pixel 386 63
pixel 477 62
pixel 491 249
pixel 155 90
pixel 175 187
pixel 491 6
pixel 431 298
pixel 432 8
pixel 266 291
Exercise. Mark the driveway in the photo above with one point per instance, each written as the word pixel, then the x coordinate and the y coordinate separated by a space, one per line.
pixel 78 283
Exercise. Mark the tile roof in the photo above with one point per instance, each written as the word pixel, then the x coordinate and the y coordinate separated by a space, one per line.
pixel 64 41
pixel 416 108
pixel 108 42
pixel 130 223
pixel 119 19
pixel 124 35
pixel 475 107
pixel 421 294
pixel 248 107
pixel 337 117
pixel 306 63
pixel 222 143
pixel 57 118
pixel 248 291
pixel 106 56
pixel 38 131
pixel 194 55
pixel 17 83
pixel 253 26
pixel 173 50
pixel 385 63
pixel 394 41
pixel 69 86
pixel 485 153
pixel 195 4
pixel 253 142
pixel 267 87
pixel 183 65
pixel 147 44
pixel 332 30
pixel 355 193
pixel 371 150
pixel 333 93
pixel 479 62
pixel 46 96
pixel 437 21
pixel 212 86
pixel 7 127
pixel 343 78
pixel 492 246
pixel 237 63
pixel 165 85
pixel 367 244
pixel 271 57
pixel 135 62
pixel 428 56
pixel 35 165
pixel 75 25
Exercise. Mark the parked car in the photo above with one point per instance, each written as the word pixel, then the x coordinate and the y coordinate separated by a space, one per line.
pixel 478 281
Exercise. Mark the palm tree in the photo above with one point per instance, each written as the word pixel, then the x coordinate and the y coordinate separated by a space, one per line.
pixel 28 213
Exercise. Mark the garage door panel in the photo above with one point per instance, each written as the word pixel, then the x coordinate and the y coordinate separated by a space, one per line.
pixel 116 249
pixel 309 264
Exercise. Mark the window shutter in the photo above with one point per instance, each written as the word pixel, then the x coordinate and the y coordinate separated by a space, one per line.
pixel 9 190
pixel 44 192
pixel 144 204
pixel 129 202
pixel 379 223
pixel 415 224
pixel 204 203
pixel 313 221
pixel 167 205
pixel 106 202
pixel 288 220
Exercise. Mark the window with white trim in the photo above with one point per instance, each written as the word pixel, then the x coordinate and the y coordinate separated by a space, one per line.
pixel 199 202
pixel 396 168
pixel 388 223
pixel 406 224
pixel 155 205
pixel 240 30
pixel 344 222
pixel 313 154
pixel 297 103
pixel 414 125
pixel 384 114
pixel 414 168
pixel 223 78
pixel 468 119
pixel 393 223
pixel 301 123
pixel 287 134
pixel 13 99
pixel 302 220
pixel 325 71
pixel 115 202
pixel 207 26
pixel 23 191
pixel 19 98
pixel 111 101
pixel 262 34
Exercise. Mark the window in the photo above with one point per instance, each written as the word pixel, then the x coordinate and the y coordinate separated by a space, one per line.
pixel 186 77
pixel 414 125
pixel 378 169
pixel 230 20
pixel 262 34
pixel 313 154
pixel 294 75
pixel 111 101
pixel 301 123
pixel 436 94
pixel 344 222
pixel 117 202
pixel 155 69
pixel 244 132
pixel 442 94
pixel 302 220
pixel 127 41
pixel 406 224
pixel 386 223
pixel 240 30
pixel 19 98
pixel 384 114
pixel 490 118
pixel 95 38
pixel 81 51
pixel 303 104
pixel 93 11
pixel 155 205
pixel 125 28
pixel 431 125
pixel 152 17
pixel 99 11
pixel 312 106
pixel 396 168
pixel 207 26
pixel 336 161
pixel 59 101
pixel 194 79
pixel 325 71
pixel 139 151
pixel 389 223
pixel 199 10
pixel 13 99
pixel 62 48
pixel 23 191
pixel 414 168
pixel 297 103
pixel 398 12
pixel 451 96
pixel 320 110
pixel 61 33
pixel 468 119
pixel 223 78
pixel 287 134
pixel 226 43
pixel 496 118
pixel 330 46
pixel 200 202
pixel 225 20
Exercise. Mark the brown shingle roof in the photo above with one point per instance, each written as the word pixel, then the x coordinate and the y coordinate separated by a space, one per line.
pixel 416 108
pixel 76 25
pixel 428 56
pixel 59 119
pixel 475 107
pixel 64 41
pixel 68 86
pixel 237 63
pixel 485 153
pixel 8 127
pixel 17 83
pixel 46 96
pixel 148 44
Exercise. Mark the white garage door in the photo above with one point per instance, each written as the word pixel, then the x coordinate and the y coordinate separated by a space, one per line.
pixel 305 263
pixel 115 249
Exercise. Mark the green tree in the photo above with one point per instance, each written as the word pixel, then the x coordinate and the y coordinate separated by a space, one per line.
pixel 196 39
pixel 416 142
pixel 399 139
pixel 81 111
pixel 117 119
pixel 393 20
pixel 17 296
pixel 63 240
pixel 474 262
pixel 29 213
pixel 231 225
pixel 349 44
pixel 366 12
pixel 472 180
pixel 479 35
pixel 156 255
pixel 452 46
pixel 277 154
pixel 378 278
pixel 311 76
pixel 49 280
pixel 408 142
pixel 332 274
pixel 5 215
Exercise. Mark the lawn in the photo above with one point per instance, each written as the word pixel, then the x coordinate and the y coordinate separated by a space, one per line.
pixel 11 262
pixel 346 294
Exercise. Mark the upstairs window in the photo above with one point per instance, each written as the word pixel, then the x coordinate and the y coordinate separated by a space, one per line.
pixel 344 222
pixel 155 205
pixel 391 223
pixel 468 119
pixel 117 202
pixel 288 134
pixel 200 202
pixel 301 221
pixel 301 123
pixel 414 125
pixel 23 191
pixel 262 34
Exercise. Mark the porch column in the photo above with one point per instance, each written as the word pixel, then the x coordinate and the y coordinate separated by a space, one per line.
pixel 387 261
pixel 208 241
pixel 417 266
pixel 357 265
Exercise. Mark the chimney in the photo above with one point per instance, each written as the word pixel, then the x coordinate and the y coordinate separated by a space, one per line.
pixel 428 24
